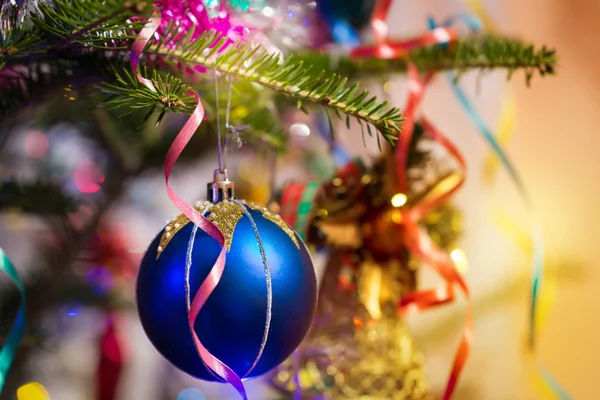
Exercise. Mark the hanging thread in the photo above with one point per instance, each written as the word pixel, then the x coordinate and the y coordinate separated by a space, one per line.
pixel 222 161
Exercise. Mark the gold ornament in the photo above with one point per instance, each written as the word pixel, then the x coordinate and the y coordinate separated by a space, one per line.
pixel 358 348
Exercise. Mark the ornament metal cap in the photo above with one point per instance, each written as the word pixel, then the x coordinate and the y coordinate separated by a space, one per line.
pixel 221 188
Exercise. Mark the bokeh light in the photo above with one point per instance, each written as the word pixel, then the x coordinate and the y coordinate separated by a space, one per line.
pixel 88 177
pixel 191 394
pixel 100 279
pixel 399 199
pixel 73 309
pixel 460 260
pixel 33 391
pixel 36 144
pixel 299 130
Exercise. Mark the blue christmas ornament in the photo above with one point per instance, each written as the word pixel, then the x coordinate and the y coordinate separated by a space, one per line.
pixel 232 322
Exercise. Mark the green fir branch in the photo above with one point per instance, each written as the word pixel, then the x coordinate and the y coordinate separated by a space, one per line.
pixel 288 77
pixel 70 27
pixel 19 43
pixel 474 53
pixel 169 94
pixel 100 24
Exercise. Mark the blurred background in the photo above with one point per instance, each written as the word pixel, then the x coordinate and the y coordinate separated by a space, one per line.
pixel 86 328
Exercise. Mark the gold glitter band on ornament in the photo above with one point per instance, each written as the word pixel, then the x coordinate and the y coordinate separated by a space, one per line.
pixel 177 224
pixel 276 219
pixel 225 215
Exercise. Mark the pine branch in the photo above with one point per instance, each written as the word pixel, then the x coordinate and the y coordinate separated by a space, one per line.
pixel 72 26
pixel 100 24
pixel 478 52
pixel 171 93
pixel 19 43
pixel 288 77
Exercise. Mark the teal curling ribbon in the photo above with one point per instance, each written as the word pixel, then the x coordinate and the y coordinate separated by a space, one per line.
pixel 7 354
pixel 474 24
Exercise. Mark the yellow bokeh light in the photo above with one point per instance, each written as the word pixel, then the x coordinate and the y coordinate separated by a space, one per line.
pixel 322 213
pixel 397 216
pixel 32 391
pixel 460 260
pixel 366 179
pixel 387 87
pixel 399 199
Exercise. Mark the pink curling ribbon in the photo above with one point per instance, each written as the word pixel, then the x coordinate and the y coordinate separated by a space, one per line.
pixel 416 238
pixel 212 280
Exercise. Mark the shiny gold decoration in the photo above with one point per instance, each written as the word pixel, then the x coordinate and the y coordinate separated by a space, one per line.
pixel 177 224
pixel 358 348
pixel 226 215
pixel 377 285
pixel 276 219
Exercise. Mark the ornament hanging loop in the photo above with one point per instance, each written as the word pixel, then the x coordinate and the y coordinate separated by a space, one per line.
pixel 221 188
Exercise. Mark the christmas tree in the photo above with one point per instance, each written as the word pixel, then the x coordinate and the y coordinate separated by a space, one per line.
pixel 124 80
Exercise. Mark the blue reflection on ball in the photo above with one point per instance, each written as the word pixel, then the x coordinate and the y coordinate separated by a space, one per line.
pixel 232 322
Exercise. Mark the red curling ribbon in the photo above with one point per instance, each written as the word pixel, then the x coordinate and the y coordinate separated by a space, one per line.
pixel 388 49
pixel 214 276
pixel 399 49
pixel 379 20
pixel 419 243
pixel 416 238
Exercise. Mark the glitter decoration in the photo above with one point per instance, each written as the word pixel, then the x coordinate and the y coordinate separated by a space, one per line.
pixel 276 219
pixel 15 14
pixel 359 347
pixel 278 28
pixel 195 16
pixel 177 224
pixel 281 26
pixel 226 215
pixel 241 6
